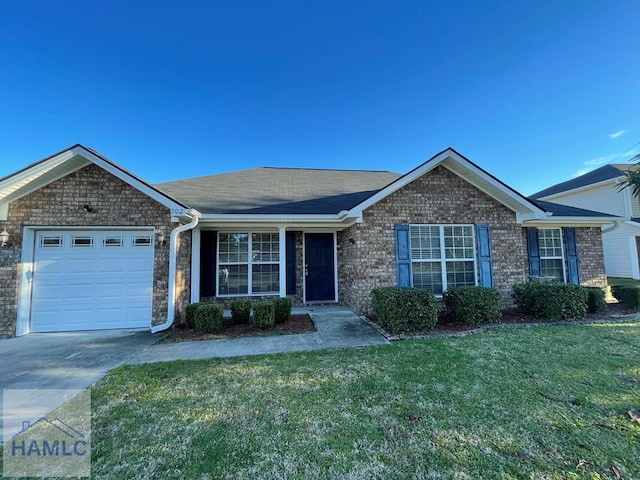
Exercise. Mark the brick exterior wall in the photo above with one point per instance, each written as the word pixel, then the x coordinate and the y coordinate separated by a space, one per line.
pixel 115 203
pixel 441 197
pixel 591 257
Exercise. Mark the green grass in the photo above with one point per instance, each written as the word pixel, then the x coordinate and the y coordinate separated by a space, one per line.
pixel 622 281
pixel 539 403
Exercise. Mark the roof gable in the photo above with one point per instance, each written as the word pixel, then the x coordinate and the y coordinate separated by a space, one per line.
pixel 61 164
pixel 470 172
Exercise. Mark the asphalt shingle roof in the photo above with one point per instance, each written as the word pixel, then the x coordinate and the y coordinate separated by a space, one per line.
pixel 601 174
pixel 567 211
pixel 269 190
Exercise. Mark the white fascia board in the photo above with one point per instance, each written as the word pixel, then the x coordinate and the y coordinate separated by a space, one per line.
pixel 572 221
pixel 18 185
pixel 454 162
pixel 227 222
pixel 611 182
pixel 632 223
pixel 176 208
pixel 257 218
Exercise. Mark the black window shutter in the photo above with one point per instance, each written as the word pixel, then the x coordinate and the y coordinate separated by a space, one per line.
pixel 208 277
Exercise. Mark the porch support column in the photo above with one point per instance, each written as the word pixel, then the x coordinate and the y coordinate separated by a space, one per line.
pixel 283 261
pixel 195 265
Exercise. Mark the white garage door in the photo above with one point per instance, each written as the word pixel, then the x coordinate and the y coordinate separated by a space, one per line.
pixel 92 280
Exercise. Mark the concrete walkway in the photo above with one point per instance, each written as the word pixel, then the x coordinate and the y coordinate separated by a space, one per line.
pixel 336 327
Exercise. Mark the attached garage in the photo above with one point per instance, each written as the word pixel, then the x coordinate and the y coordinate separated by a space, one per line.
pixel 91 280
pixel 89 246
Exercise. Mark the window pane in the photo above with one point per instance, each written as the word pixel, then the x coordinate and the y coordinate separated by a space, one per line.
pixel 265 247
pixel 141 241
pixel 460 274
pixel 425 242
pixel 50 241
pixel 458 241
pixel 428 275
pixel 82 241
pixel 550 242
pixel 265 279
pixel 233 279
pixel 233 247
pixel 552 268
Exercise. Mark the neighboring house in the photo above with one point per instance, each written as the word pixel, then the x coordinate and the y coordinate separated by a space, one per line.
pixel 599 190
pixel 92 246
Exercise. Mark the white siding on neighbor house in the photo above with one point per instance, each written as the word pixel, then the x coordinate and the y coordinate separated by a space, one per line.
pixel 603 198
pixel 619 253
pixel 635 205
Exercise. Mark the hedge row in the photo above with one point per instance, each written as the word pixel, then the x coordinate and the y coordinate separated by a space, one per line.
pixel 628 295
pixel 410 310
pixel 207 317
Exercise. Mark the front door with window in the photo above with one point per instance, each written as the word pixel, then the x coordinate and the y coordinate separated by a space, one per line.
pixel 319 267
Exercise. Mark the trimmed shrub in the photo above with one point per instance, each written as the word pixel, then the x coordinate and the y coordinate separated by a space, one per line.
pixel 628 295
pixel 190 314
pixel 240 310
pixel 282 309
pixel 474 305
pixel 208 317
pixel 595 300
pixel 404 309
pixel 263 315
pixel 551 301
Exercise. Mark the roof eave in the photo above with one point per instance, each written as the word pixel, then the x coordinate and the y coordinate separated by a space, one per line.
pixel 568 221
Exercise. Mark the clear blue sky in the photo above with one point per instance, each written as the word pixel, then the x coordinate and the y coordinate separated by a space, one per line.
pixel 532 91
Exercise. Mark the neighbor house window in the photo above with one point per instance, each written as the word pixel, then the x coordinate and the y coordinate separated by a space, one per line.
pixel 551 253
pixel 442 256
pixel 248 264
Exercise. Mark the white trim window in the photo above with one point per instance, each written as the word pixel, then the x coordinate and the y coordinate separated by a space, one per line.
pixel 551 251
pixel 442 256
pixel 241 273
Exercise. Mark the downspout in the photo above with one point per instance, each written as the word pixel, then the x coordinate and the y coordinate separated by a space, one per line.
pixel 615 226
pixel 173 252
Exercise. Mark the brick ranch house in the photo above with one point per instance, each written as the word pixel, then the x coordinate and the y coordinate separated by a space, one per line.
pixel 88 245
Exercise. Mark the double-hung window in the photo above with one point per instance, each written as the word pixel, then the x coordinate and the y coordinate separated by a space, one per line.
pixel 442 256
pixel 248 264
pixel 551 252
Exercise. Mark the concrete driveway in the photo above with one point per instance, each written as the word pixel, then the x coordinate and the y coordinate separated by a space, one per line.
pixel 71 360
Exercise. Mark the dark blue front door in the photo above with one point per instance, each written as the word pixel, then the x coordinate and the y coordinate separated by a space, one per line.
pixel 319 267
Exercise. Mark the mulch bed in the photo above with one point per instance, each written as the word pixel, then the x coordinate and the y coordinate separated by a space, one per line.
pixel 512 316
pixel 296 324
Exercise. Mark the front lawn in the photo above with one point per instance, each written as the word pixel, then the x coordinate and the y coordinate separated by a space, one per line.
pixel 539 402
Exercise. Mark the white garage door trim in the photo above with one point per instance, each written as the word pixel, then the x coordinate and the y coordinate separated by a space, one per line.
pixel 98 259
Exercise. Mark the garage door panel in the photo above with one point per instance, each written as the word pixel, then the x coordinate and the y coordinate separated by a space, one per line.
pixel 106 284
pixel 113 265
pixel 139 265
pixel 111 291
pixel 54 266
